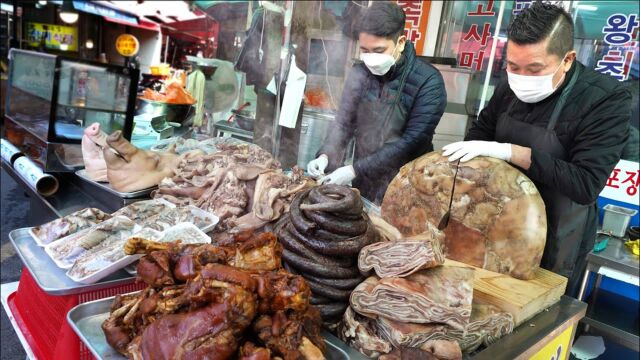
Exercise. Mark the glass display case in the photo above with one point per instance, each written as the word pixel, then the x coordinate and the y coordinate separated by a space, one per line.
pixel 50 100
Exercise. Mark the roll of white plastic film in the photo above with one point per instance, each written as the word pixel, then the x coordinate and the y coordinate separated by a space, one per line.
pixel 8 151
pixel 44 184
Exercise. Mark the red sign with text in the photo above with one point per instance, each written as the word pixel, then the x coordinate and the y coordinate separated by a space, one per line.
pixel 417 18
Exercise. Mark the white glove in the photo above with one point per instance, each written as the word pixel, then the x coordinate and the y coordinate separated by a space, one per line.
pixel 316 167
pixel 341 176
pixel 467 150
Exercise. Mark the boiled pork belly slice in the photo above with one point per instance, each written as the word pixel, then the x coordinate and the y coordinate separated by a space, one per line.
pixel 487 324
pixel 400 258
pixel 439 295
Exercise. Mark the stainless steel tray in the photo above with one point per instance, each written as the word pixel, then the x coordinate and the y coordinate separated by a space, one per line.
pixel 82 174
pixel 86 319
pixel 52 279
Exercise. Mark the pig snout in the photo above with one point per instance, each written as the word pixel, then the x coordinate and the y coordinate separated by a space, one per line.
pixel 92 130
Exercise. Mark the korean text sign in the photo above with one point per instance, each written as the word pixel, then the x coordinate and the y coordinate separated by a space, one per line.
pixel 478 34
pixel 619 35
pixel 127 45
pixel 622 184
pixel 417 18
pixel 53 36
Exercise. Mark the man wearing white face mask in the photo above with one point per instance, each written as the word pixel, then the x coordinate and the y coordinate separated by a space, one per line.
pixel 561 123
pixel 391 104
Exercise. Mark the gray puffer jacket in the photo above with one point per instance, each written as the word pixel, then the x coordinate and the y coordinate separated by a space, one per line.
pixel 392 118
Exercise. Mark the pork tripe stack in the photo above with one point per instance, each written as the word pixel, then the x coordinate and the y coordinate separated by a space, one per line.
pixel 415 304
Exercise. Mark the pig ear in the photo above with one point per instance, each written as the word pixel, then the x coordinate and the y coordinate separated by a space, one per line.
pixel 172 149
pixel 121 145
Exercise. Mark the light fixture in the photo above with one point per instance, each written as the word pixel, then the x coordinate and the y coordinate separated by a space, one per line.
pixel 587 7
pixel 64 47
pixel 42 2
pixel 68 13
pixel 89 44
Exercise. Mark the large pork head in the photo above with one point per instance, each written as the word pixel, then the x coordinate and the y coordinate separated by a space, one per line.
pixel 498 219
pixel 93 142
pixel 133 169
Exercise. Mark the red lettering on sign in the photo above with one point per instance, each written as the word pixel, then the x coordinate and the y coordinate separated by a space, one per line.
pixel 413 34
pixel 481 12
pixel 467 59
pixel 473 33
pixel 412 10
pixel 613 177
pixel 633 188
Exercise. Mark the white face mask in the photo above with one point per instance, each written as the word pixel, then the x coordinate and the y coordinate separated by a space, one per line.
pixel 532 89
pixel 379 64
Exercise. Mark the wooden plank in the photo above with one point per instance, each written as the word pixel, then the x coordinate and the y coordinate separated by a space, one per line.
pixel 522 298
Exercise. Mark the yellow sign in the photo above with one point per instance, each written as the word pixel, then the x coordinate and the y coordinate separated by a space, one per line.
pixel 127 45
pixel 52 36
pixel 556 349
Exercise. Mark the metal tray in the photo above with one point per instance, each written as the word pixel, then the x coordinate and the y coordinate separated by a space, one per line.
pixel 82 174
pixel 86 319
pixel 50 277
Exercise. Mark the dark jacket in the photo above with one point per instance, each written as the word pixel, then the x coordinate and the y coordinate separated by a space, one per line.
pixel 386 140
pixel 592 127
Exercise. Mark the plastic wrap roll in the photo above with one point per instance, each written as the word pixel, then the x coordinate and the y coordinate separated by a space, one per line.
pixel 45 184
pixel 9 152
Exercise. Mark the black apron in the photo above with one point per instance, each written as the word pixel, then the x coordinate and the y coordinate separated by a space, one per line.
pixel 566 219
pixel 380 120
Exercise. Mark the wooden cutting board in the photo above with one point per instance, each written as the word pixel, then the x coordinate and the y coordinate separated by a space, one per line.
pixel 522 298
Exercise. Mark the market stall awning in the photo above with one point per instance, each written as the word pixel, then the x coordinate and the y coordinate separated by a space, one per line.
pixel 109 12
pixel 201 29
pixel 114 13
pixel 161 12
pixel 224 10
pixel 142 24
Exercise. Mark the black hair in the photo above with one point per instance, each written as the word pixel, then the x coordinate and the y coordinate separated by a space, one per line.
pixel 384 19
pixel 540 22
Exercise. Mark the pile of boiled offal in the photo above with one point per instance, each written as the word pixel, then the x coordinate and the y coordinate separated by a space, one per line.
pixel 381 285
pixel 414 307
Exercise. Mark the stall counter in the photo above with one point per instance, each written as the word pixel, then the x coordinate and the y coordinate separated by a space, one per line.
pixel 549 333
pixel 74 194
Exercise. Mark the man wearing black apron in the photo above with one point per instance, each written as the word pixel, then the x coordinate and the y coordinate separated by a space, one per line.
pixel 391 104
pixel 562 124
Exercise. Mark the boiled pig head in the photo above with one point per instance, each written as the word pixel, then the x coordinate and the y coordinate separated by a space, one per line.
pixel 132 169
pixel 93 142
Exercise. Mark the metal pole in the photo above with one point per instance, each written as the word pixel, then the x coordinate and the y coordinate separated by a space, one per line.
pixel 494 45
pixel 281 78
pixel 166 49
pixel 14 42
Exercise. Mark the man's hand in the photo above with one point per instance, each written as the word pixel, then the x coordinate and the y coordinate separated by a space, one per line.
pixel 316 167
pixel 467 150
pixel 342 176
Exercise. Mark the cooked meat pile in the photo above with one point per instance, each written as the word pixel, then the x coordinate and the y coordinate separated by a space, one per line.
pixel 439 295
pixel 215 302
pixel 498 219
pixel 416 308
pixel 322 236
pixel 242 184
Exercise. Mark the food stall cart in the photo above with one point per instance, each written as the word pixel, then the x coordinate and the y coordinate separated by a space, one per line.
pixel 545 333
pixel 74 312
